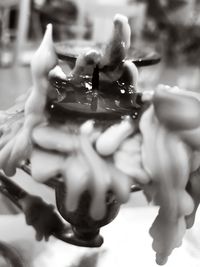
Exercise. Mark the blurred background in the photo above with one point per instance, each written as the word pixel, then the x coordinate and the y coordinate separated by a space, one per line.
pixel 169 29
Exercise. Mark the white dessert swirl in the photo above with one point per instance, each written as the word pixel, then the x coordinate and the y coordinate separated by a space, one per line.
pixel 100 177
pixel 19 147
pixel 167 156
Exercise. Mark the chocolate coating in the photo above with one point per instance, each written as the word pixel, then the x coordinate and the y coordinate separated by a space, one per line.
pixel 80 219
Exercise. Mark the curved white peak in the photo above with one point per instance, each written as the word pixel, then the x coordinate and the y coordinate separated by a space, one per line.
pixel 180 91
pixel 87 127
pixel 86 61
pixel 45 57
pixel 147 96
pixel 120 17
pixel 125 31
pixel 88 57
pixel 58 72
pixel 93 55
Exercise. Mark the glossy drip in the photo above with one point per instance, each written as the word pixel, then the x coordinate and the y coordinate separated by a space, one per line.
pixel 113 100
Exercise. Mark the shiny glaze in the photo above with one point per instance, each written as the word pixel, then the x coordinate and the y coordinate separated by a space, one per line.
pixel 110 101
pixel 80 219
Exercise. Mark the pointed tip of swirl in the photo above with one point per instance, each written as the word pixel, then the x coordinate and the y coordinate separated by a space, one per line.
pixel 48 33
pixel 45 57
pixel 47 41
pixel 49 26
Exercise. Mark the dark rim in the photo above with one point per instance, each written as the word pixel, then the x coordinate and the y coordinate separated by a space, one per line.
pixel 139 62
pixel 147 59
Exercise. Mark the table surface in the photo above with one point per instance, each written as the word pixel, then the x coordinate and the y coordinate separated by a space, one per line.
pixel 126 243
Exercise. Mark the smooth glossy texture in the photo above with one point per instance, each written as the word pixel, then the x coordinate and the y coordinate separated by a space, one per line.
pixel 110 100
